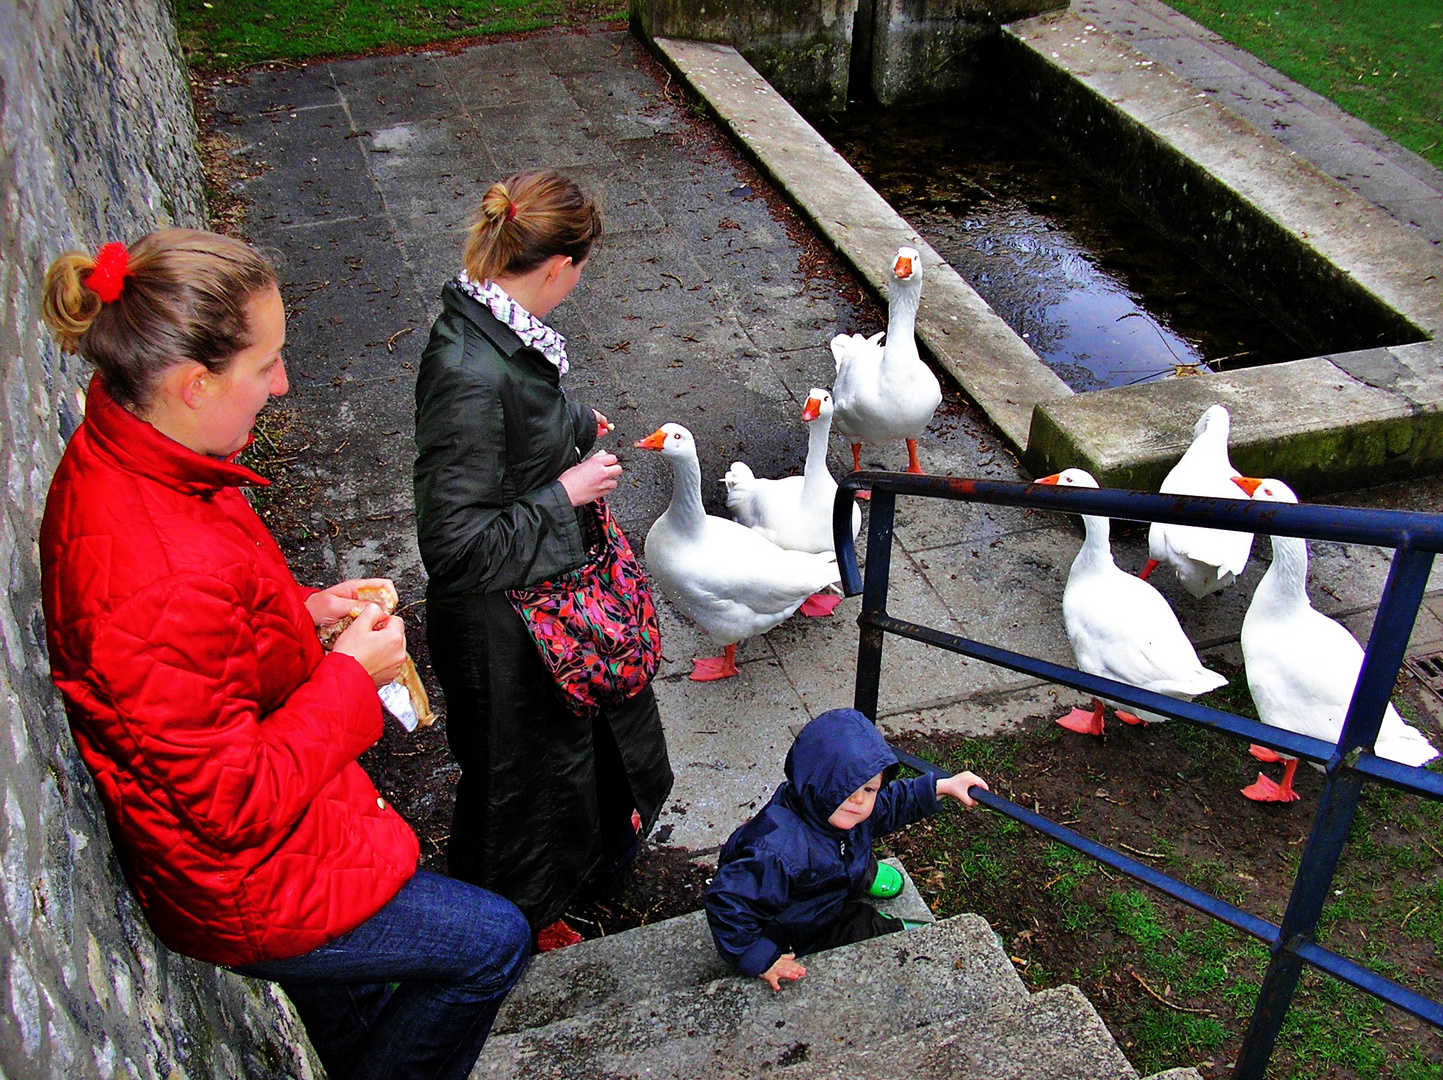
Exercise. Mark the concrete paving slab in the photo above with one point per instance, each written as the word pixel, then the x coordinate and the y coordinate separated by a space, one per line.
pixel 516 73
pixel 383 91
pixel 604 97
pixel 727 741
pixel 914 676
pixel 1012 598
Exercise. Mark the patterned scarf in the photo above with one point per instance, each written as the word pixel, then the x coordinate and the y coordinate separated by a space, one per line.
pixel 531 330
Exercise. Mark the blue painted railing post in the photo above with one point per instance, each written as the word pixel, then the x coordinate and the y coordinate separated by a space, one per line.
pixel 874 601
pixel 1416 537
pixel 1407 580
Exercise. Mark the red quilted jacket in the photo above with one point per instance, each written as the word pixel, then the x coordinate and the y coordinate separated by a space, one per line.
pixel 222 739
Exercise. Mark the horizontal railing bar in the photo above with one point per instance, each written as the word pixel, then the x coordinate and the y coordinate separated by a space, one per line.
pixel 1407 778
pixel 1294 745
pixel 1313 521
pixel 1369 981
pixel 1403 777
pixel 1208 904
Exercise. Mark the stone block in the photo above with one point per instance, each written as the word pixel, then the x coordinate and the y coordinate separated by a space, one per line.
pixel 851 997
pixel 804 48
pixel 1307 422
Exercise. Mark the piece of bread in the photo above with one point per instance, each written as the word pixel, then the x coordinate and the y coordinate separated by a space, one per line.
pixel 409 677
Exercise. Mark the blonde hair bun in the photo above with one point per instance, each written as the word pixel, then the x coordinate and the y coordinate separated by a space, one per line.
pixel 67 306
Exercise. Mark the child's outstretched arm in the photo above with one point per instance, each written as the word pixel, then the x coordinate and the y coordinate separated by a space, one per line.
pixel 960 786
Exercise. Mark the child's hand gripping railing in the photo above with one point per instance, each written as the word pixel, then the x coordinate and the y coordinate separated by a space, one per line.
pixel 1416 538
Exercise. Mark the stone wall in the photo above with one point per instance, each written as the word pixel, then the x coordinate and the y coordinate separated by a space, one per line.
pixel 97 142
pixel 802 47
pixel 819 54
pixel 922 50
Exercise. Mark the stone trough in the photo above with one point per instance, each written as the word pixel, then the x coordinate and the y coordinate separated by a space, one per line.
pixel 1337 272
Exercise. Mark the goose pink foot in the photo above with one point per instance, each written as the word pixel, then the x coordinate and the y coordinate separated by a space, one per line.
pixel 712 668
pixel 1148 569
pixel 857 467
pixel 819 605
pixel 1265 790
pixel 1082 721
pixel 1262 753
pixel 912 464
pixel 1130 718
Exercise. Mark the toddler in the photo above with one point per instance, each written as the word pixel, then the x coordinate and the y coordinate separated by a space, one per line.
pixel 789 881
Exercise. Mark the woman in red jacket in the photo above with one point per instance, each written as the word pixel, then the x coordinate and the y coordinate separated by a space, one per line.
pixel 222 738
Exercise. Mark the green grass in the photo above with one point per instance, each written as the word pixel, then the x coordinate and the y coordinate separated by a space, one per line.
pixel 223 34
pixel 1381 60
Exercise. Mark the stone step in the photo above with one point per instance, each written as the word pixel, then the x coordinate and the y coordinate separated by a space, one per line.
pixel 1053 1035
pixel 854 997
pixel 650 961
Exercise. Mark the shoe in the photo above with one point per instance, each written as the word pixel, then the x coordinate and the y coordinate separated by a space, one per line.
pixel 888 882
pixel 556 936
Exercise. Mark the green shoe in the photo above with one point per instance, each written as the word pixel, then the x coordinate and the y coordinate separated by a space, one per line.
pixel 887 883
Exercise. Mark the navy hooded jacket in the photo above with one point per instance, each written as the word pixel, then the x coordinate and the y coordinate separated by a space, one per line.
pixel 783 876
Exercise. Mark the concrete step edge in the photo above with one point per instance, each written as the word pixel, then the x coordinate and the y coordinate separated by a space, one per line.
pixel 641 964
pixel 854 996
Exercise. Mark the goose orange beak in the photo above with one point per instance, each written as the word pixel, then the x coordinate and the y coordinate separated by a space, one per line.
pixel 902 268
pixel 812 409
pixel 655 441
pixel 1047 479
pixel 1249 484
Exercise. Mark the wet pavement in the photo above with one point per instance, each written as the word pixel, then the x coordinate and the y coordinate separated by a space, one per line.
pixel 707 304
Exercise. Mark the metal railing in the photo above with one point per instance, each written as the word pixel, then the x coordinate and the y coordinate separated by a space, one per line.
pixel 1416 538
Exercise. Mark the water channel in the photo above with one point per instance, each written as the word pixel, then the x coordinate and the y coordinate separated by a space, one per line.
pixel 1098 294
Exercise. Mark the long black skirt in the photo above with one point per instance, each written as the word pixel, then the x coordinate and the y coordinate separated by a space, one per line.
pixel 544 802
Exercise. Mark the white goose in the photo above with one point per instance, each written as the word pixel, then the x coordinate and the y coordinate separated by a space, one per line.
pixel 795 512
pixel 886 392
pixel 1205 560
pixel 1302 666
pixel 732 581
pixel 1121 628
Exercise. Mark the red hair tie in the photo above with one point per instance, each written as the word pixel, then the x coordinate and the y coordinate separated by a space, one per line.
pixel 112 263
pixel 510 209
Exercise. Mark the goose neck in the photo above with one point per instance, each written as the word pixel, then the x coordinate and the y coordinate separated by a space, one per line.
pixel 1097 547
pixel 1287 578
pixel 902 310
pixel 686 508
pixel 815 471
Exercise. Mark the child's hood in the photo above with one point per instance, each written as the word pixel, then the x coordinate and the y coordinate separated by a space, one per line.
pixel 832 757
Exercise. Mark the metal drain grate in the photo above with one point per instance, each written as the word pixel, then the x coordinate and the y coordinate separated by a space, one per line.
pixel 1429 669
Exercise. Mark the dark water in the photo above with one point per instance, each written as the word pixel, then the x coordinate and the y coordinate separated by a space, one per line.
pixel 1100 296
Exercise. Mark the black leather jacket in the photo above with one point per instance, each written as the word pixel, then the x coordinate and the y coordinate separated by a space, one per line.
pixel 493 433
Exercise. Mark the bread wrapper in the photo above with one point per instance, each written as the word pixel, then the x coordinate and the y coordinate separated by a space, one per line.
pixel 405 698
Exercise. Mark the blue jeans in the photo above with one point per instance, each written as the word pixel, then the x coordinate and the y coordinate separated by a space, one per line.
pixel 413 990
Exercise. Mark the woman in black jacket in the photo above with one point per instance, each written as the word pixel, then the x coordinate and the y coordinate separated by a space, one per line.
pixel 547 800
